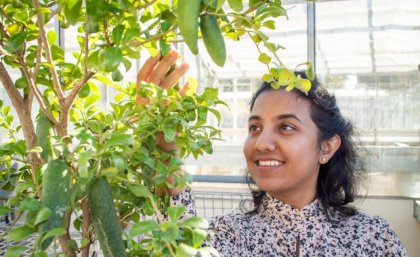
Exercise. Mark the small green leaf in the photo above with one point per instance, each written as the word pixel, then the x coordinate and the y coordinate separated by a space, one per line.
pixel 117 76
pixel 19 233
pixel 84 91
pixel 143 227
pixel 15 251
pixel 53 232
pixel 285 77
pixel 23 186
pixel 264 58
pixel 42 215
pixel 117 33
pixel 72 10
pixel 170 234
pixel 140 191
pixel 236 5
pixel 198 236
pixel 29 204
pixel 21 83
pixel 184 250
pixel 195 222
pixel 52 37
pixel 120 139
pixel 97 9
pixel 210 93
pixel 91 99
pixel 112 58
pixel 15 42
pixel 4 210
pixel 269 24
pixel 174 212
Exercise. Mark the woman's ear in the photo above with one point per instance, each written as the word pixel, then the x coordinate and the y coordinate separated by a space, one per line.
pixel 328 148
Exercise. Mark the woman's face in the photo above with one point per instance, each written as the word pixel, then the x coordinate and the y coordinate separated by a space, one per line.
pixel 282 149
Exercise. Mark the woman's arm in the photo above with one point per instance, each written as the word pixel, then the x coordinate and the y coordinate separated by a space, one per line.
pixel 155 70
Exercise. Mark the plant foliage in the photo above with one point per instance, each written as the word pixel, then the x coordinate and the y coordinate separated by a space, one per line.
pixel 97 173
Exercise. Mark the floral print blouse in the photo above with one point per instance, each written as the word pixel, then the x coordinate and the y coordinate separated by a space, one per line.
pixel 278 229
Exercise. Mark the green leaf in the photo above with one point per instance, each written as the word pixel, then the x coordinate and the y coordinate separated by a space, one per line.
pixel 84 91
pixel 96 9
pixel 23 186
pixel 285 77
pixel 112 58
pixel 184 250
pixel 29 204
pixel 52 37
pixel 22 83
pixel 120 139
pixel 236 5
pixel 117 33
pixel 170 234
pixel 15 42
pixel 91 99
pixel 140 191
pixel 208 252
pixel 42 215
pixel 174 212
pixel 4 210
pixel 264 58
pixel 15 251
pixel 53 232
pixel 117 76
pixel 72 10
pixel 198 236
pixel 19 233
pixel 210 93
pixel 195 222
pixel 143 227
pixel 269 24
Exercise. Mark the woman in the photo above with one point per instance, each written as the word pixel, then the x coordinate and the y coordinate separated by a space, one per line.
pixel 300 154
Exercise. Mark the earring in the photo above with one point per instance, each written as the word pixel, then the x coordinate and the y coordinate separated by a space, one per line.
pixel 322 160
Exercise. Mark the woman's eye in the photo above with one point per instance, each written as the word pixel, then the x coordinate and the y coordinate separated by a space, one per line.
pixel 253 128
pixel 286 127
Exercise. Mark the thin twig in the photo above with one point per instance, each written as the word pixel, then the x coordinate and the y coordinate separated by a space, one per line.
pixel 36 91
pixel 48 56
pixel 38 58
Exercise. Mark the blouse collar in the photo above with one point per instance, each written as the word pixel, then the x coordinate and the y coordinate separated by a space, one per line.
pixel 280 210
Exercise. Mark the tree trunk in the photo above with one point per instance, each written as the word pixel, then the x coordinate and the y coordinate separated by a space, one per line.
pixel 23 108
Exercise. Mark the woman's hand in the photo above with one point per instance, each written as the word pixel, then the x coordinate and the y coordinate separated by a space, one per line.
pixel 155 70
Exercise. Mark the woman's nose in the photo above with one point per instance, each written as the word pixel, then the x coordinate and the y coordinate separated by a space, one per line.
pixel 265 142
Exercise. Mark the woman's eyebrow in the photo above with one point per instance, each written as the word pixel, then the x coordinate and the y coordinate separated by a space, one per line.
pixel 254 117
pixel 288 116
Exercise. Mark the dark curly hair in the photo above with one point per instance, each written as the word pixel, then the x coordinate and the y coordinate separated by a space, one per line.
pixel 339 178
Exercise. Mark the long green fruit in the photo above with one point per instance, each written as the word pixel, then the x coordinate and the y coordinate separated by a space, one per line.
pixel 104 217
pixel 44 131
pixel 55 195
pixel 188 12
pixel 213 39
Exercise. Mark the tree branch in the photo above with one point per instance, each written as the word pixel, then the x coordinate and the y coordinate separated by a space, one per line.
pixel 36 91
pixel 10 88
pixel 43 36
pixel 38 58
pixel 69 252
pixel 86 76
pixel 86 232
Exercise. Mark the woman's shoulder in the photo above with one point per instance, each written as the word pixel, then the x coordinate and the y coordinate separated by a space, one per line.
pixel 365 223
pixel 368 220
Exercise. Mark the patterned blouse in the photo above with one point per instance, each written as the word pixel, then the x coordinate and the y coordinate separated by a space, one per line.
pixel 278 229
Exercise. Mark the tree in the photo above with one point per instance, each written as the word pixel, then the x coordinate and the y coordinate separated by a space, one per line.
pixel 81 166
